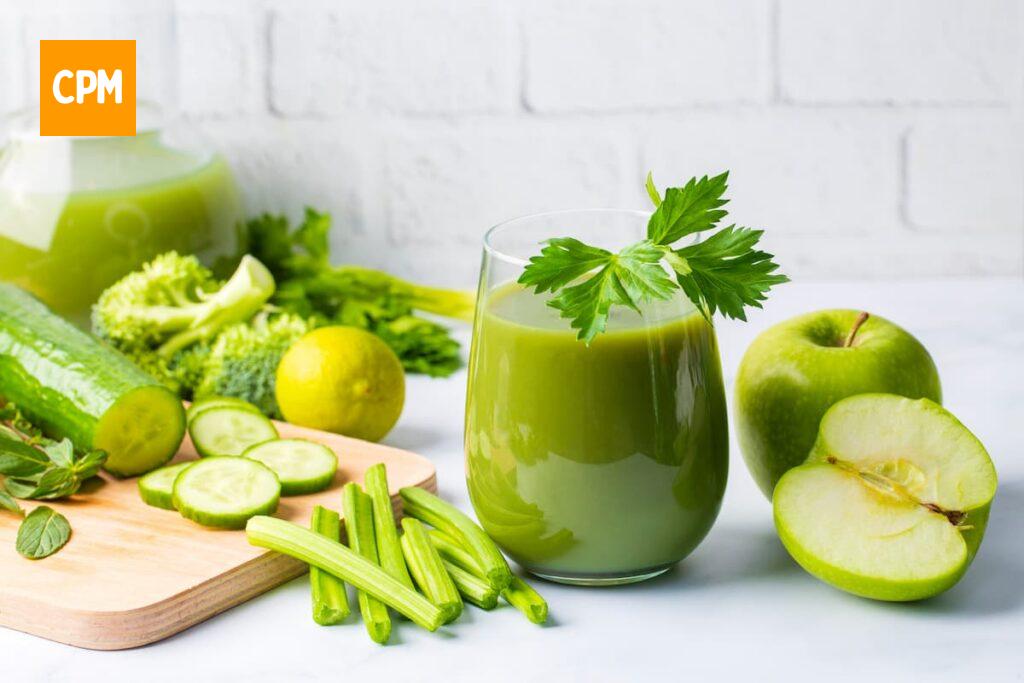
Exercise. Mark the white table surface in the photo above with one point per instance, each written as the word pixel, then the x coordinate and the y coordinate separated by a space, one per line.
pixel 737 607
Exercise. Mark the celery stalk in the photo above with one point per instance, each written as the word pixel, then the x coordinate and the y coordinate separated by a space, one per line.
pixel 452 552
pixel 528 601
pixel 359 528
pixel 330 600
pixel 519 594
pixel 312 548
pixel 430 573
pixel 446 517
pixel 472 587
pixel 389 551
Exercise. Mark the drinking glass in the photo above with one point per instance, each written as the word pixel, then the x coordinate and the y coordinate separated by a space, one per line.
pixel 590 464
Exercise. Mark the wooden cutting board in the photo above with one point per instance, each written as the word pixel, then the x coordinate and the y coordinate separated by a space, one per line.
pixel 134 574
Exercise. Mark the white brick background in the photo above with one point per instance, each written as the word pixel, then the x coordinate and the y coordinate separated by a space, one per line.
pixel 870 138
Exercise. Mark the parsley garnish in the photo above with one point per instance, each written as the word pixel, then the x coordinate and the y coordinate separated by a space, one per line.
pixel 723 273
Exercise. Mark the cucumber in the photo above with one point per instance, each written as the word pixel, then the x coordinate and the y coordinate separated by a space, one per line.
pixel 301 466
pixel 157 487
pixel 217 402
pixel 225 492
pixel 229 431
pixel 74 387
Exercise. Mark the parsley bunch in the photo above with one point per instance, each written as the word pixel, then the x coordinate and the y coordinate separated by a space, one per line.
pixel 723 272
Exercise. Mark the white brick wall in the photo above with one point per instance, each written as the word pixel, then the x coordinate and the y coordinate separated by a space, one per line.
pixel 870 138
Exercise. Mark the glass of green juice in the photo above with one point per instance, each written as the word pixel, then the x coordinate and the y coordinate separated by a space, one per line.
pixel 78 213
pixel 600 464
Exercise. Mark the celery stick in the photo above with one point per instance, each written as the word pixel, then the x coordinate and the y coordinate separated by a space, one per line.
pixel 359 528
pixel 444 516
pixel 330 601
pixel 519 594
pixel 389 551
pixel 451 551
pixel 472 587
pixel 528 601
pixel 426 566
pixel 312 548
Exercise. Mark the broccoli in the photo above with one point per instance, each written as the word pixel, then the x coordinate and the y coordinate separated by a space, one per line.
pixel 243 359
pixel 174 302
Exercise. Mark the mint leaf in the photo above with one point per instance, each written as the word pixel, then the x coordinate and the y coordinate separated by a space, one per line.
pixel 18 459
pixel 42 533
pixel 7 502
pixel 725 273
pixel 62 453
pixel 629 278
pixel 652 191
pixel 688 209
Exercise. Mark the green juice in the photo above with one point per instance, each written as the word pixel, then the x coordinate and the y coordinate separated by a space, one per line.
pixel 595 464
pixel 76 215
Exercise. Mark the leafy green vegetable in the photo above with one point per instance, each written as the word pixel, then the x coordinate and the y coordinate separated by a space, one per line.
pixel 42 533
pixel 34 467
pixel 721 273
pixel 174 302
pixel 309 286
pixel 7 502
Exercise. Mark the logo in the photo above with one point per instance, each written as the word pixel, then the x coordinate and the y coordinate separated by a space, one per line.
pixel 87 87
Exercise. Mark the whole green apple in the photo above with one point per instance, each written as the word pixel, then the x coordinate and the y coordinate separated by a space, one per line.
pixel 793 372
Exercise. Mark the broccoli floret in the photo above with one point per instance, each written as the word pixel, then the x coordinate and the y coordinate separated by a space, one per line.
pixel 174 302
pixel 243 359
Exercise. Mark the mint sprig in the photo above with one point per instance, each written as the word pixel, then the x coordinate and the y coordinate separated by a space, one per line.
pixel 723 273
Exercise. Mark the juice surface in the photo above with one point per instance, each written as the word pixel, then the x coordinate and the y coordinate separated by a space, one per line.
pixel 132 199
pixel 596 461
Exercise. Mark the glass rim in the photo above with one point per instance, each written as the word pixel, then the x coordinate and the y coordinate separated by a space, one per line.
pixel 494 230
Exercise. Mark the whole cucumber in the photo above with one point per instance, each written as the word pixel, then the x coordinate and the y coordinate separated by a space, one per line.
pixel 71 385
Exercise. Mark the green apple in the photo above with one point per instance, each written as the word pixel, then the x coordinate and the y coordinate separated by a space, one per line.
pixel 892 502
pixel 793 372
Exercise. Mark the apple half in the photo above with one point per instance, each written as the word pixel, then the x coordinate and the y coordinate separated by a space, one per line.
pixel 892 502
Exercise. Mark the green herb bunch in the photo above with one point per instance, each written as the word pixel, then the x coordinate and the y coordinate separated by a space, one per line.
pixel 723 272
pixel 33 467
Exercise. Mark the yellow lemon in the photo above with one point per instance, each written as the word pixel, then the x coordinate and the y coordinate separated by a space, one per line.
pixel 344 380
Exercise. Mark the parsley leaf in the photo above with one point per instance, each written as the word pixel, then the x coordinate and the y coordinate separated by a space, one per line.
pixel 688 209
pixel 629 278
pixel 723 273
pixel 726 273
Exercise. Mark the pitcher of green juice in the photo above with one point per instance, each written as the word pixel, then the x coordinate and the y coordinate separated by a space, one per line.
pixel 77 213
pixel 591 464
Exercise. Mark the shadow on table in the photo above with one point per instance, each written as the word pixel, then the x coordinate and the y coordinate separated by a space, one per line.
pixel 412 438
pixel 993 582
pixel 729 554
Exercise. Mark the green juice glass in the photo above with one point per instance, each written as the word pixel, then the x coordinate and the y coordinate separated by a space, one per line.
pixel 600 464
pixel 78 213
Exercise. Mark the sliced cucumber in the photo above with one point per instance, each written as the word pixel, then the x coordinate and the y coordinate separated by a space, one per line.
pixel 229 431
pixel 225 492
pixel 157 487
pixel 217 402
pixel 301 466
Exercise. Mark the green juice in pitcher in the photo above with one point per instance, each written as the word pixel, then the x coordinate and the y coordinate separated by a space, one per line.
pixel 76 214
pixel 595 464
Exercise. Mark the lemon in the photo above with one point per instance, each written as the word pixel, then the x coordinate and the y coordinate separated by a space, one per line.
pixel 343 380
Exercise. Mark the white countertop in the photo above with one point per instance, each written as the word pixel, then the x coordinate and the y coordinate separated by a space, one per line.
pixel 737 607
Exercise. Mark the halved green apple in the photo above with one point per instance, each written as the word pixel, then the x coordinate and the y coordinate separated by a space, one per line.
pixel 892 502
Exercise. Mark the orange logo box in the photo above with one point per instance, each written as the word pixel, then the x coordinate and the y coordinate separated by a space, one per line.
pixel 87 87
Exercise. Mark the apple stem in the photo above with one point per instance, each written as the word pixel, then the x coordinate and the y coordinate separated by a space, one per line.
pixel 861 319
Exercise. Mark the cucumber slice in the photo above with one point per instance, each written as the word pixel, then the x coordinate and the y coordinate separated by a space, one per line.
pixel 157 487
pixel 225 492
pixel 229 431
pixel 217 402
pixel 301 466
